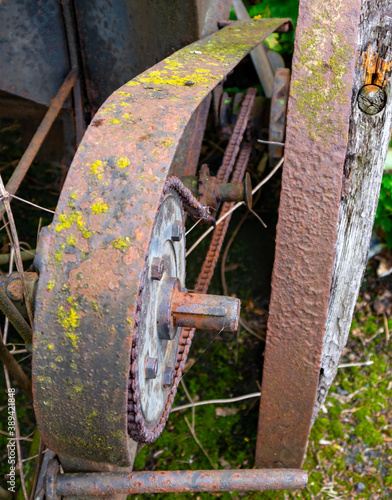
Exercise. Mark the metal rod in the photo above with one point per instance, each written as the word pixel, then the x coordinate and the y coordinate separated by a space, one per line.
pixel 70 24
pixel 113 483
pixel 16 319
pixel 205 312
pixel 15 370
pixel 25 254
pixel 258 54
pixel 39 137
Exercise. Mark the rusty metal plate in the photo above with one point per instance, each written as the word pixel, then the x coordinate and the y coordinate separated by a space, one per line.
pixel 33 56
pixel 316 143
pixel 92 257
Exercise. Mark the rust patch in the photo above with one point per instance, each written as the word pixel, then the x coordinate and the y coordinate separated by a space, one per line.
pixel 82 278
pixel 376 69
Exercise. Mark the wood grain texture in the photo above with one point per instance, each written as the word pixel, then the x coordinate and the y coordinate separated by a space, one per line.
pixel 365 159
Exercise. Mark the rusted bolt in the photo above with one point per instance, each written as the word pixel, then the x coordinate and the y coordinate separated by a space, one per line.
pixel 168 377
pixel 176 233
pixel 157 268
pixel 371 99
pixel 151 368
pixel 14 290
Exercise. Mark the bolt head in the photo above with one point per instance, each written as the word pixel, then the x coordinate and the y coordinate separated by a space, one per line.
pixel 168 377
pixel 157 268
pixel 151 368
pixel 176 233
pixel 371 99
pixel 14 290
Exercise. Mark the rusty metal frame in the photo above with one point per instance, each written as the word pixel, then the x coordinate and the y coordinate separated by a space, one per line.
pixel 92 258
pixel 316 142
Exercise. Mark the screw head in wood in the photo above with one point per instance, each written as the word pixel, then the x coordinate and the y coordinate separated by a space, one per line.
pixel 371 99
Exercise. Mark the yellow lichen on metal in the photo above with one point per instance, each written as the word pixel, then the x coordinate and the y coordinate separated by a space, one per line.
pixel 67 220
pixel 99 207
pixel 123 162
pixel 121 243
pixel 69 320
pixel 71 240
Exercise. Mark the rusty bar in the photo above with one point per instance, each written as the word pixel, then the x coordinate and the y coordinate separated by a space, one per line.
pixel 70 23
pixel 236 191
pixel 16 319
pixel 315 149
pixel 205 312
pixel 39 137
pixel 179 481
pixel 231 192
pixel 15 370
pixel 277 126
pixel 258 55
pixel 25 255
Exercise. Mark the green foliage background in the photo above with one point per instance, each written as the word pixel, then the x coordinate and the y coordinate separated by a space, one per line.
pixel 383 218
pixel 284 43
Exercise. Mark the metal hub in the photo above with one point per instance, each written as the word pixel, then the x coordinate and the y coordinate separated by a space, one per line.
pixel 158 343
pixel 166 259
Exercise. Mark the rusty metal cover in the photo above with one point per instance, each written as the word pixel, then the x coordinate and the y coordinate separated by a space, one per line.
pixel 316 143
pixel 33 49
pixel 92 257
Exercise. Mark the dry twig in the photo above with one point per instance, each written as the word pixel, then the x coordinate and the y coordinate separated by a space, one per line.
pixel 217 401
pixel 18 257
pixel 386 329
pixel 17 439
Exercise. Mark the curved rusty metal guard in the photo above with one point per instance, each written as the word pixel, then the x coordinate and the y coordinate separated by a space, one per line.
pixel 91 258
pixel 315 149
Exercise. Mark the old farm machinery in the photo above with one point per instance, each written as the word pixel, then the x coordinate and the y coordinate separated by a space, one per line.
pixel 113 322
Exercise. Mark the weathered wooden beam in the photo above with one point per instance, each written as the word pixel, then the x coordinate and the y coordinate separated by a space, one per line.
pixel 367 148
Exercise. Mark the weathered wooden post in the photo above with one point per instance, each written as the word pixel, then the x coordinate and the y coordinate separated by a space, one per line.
pixel 338 129
pixel 369 134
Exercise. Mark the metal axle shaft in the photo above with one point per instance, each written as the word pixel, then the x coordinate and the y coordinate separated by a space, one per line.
pixel 110 483
pixel 205 312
